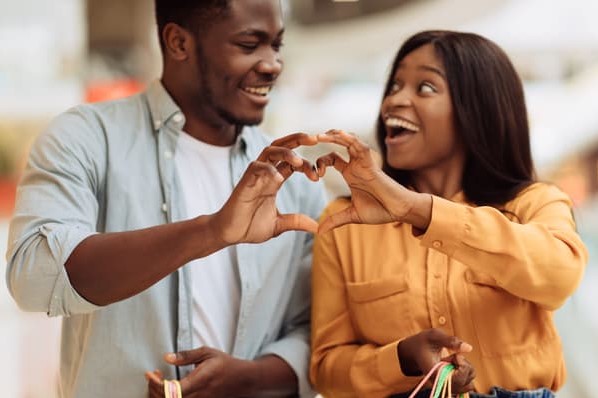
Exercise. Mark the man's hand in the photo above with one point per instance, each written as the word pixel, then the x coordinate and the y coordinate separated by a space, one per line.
pixel 375 197
pixel 250 214
pixel 216 374
pixel 420 352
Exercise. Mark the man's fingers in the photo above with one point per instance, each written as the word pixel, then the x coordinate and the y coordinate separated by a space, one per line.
pixel 189 357
pixel 274 155
pixel 154 377
pixel 286 170
pixel 295 222
pixel 295 140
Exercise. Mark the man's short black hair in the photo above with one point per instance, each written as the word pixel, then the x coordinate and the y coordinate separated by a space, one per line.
pixel 192 15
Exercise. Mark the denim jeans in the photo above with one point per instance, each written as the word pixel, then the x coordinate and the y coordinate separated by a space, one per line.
pixel 495 392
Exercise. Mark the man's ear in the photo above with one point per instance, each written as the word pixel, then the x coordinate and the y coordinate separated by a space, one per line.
pixel 178 42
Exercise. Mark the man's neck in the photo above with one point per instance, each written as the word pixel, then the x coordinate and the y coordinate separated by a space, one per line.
pixel 223 135
pixel 211 129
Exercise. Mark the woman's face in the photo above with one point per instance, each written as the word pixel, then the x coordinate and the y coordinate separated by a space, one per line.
pixel 418 116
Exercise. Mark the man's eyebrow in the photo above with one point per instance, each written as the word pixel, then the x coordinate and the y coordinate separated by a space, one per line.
pixel 259 33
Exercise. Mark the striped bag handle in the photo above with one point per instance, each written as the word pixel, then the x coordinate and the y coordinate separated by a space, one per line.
pixel 442 387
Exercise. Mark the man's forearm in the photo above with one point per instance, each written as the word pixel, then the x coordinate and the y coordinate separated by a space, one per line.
pixel 271 376
pixel 109 267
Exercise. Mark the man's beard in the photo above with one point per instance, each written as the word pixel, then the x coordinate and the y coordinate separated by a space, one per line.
pixel 208 97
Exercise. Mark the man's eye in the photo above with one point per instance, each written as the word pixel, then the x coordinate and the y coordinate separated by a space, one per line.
pixel 427 88
pixel 394 88
pixel 277 46
pixel 248 46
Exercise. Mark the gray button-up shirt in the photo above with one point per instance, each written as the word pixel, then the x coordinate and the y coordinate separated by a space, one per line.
pixel 109 167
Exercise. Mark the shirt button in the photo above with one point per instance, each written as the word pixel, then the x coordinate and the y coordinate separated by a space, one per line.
pixel 437 244
pixel 442 320
pixel 157 124
pixel 177 118
pixel 168 154
pixel 164 207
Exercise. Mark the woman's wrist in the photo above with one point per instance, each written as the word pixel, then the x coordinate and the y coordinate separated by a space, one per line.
pixel 420 212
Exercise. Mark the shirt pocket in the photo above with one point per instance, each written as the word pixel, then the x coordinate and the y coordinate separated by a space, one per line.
pixel 505 324
pixel 380 308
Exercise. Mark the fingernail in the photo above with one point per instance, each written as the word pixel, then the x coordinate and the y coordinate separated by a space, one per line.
pixel 170 357
pixel 465 347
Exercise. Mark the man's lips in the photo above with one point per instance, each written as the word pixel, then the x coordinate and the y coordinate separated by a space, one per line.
pixel 257 94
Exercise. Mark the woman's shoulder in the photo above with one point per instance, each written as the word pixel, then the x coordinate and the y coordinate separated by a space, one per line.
pixel 543 191
pixel 535 196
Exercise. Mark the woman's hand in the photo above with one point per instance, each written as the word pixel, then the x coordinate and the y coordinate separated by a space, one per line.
pixel 420 352
pixel 375 197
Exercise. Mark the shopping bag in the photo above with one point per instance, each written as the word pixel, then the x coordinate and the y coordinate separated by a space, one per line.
pixel 442 383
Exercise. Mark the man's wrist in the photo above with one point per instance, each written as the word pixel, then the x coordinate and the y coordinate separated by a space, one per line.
pixel 250 376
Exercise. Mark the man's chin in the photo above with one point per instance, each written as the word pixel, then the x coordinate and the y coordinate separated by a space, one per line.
pixel 245 120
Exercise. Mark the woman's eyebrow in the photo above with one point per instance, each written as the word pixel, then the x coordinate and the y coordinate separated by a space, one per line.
pixel 432 69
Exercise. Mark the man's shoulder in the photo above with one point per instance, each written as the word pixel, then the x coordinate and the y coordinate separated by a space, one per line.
pixel 97 117
pixel 122 108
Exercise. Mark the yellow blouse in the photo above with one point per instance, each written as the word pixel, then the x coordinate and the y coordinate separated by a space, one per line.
pixel 491 278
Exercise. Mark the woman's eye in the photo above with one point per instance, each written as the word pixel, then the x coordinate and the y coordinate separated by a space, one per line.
pixel 394 88
pixel 427 88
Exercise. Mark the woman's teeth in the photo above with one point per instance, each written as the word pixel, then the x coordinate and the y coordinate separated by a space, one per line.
pixel 394 122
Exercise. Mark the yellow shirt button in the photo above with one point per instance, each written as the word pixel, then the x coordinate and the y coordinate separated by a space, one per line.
pixel 437 244
pixel 442 320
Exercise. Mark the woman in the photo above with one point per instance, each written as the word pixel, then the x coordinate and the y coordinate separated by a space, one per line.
pixel 460 236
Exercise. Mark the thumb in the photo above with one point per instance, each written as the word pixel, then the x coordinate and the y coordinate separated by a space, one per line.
pixel 452 343
pixel 295 222
pixel 186 357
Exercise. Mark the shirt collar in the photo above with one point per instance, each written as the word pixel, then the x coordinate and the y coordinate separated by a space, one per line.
pixel 164 110
pixel 162 107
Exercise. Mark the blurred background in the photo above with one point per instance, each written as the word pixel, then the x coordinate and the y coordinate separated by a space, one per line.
pixel 56 54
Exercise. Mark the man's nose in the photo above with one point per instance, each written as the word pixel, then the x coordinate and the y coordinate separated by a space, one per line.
pixel 270 64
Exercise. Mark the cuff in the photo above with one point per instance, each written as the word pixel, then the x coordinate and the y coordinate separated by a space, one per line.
pixel 447 226
pixel 389 369
pixel 294 350
pixel 64 299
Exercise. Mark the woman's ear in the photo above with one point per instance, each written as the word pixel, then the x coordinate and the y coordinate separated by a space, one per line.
pixel 178 42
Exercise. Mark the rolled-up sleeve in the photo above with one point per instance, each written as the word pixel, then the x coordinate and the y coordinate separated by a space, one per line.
pixel 56 208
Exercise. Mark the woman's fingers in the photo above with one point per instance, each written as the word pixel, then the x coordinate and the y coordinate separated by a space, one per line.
pixel 354 145
pixel 346 216
pixel 332 159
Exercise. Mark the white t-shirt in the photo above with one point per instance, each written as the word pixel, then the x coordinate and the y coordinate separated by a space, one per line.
pixel 205 175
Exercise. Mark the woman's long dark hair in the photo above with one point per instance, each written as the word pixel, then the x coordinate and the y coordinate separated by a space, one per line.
pixel 490 115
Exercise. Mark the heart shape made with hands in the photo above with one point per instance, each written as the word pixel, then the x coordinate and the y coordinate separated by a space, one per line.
pixel 362 173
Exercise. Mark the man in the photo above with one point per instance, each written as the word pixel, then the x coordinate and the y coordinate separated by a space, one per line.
pixel 127 222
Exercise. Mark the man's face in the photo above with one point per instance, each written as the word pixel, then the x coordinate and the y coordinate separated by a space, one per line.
pixel 238 62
